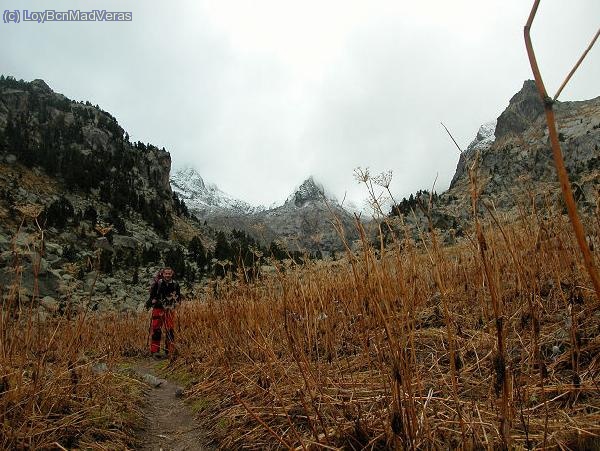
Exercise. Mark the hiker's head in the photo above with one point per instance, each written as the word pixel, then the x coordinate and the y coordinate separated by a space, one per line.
pixel 167 274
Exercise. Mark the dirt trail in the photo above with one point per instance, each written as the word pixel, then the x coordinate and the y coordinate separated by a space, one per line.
pixel 169 423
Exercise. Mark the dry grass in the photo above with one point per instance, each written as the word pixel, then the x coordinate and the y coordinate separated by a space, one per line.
pixel 352 355
pixel 60 383
pixel 360 357
pixel 57 390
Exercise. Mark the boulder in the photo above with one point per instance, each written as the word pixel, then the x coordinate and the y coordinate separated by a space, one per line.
pixel 54 261
pixel 10 158
pixel 53 248
pixel 152 380
pixel 69 237
pixel 99 368
pixel 99 287
pixel 42 314
pixel 128 242
pixel 49 304
pixel 34 258
pixel 103 243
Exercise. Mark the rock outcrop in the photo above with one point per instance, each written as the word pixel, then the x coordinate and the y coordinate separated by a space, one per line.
pixel 86 216
pixel 518 163
pixel 310 220
pixel 86 148
pixel 515 166
pixel 305 222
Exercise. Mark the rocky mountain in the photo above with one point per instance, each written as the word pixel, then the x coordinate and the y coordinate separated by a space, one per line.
pixel 310 219
pixel 207 200
pixel 87 217
pixel 86 148
pixel 305 221
pixel 88 211
pixel 515 163
pixel 518 162
pixel 483 140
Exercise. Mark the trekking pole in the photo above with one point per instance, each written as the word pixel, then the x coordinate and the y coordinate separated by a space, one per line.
pixel 149 331
pixel 168 337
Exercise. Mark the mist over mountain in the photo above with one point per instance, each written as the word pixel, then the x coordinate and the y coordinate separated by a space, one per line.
pixel 206 200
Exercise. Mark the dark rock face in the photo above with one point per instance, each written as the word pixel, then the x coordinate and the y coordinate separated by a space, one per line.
pixel 308 191
pixel 306 220
pixel 523 109
pixel 41 85
pixel 74 165
pixel 86 147
pixel 515 168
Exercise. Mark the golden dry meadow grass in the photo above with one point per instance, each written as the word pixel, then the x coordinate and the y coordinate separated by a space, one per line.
pixel 359 356
pixel 388 348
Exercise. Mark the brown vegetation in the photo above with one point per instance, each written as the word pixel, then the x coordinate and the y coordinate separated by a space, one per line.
pixel 360 357
pixel 391 348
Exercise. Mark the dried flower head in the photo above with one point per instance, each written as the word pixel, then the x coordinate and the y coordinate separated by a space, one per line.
pixel 384 179
pixel 30 210
pixel 362 175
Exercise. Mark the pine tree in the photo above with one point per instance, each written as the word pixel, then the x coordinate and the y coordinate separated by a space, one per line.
pixel 222 248
pixel 198 253
pixel 174 258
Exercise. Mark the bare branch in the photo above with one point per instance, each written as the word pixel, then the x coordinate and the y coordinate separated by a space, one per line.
pixel 452 137
pixel 589 47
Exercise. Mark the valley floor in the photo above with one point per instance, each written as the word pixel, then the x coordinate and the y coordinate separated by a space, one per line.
pixel 423 347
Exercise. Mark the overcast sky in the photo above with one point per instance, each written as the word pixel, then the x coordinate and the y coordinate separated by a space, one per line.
pixel 259 94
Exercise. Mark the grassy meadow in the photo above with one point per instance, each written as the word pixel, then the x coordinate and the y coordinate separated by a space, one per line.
pixel 493 342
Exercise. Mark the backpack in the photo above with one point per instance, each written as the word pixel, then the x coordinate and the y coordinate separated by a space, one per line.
pixel 156 280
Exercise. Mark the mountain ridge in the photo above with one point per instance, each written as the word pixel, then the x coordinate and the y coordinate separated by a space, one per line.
pixel 303 220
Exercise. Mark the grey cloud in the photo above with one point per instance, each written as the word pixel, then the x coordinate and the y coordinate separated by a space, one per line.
pixel 256 118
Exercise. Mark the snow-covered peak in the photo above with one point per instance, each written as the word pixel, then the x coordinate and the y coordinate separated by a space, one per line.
pixel 189 178
pixel 206 198
pixel 483 140
pixel 363 210
pixel 485 137
pixel 309 190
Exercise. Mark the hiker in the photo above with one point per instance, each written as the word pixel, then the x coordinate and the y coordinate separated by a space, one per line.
pixel 164 297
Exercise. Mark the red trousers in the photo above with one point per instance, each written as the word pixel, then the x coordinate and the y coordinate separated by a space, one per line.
pixel 162 318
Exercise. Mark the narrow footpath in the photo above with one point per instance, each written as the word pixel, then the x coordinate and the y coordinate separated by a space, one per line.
pixel 169 421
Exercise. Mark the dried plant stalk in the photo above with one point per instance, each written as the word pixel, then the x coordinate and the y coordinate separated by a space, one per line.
pixel 563 176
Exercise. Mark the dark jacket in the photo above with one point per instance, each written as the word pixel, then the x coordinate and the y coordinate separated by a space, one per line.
pixel 165 293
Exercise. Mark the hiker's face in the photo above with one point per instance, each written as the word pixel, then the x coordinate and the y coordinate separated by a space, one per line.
pixel 168 274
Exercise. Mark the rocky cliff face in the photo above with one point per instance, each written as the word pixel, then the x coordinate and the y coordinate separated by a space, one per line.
pixel 518 163
pixel 85 147
pixel 523 109
pixel 307 220
pixel 515 164
pixel 104 207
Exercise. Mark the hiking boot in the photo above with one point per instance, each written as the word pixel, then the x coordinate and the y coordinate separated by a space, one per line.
pixel 157 356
